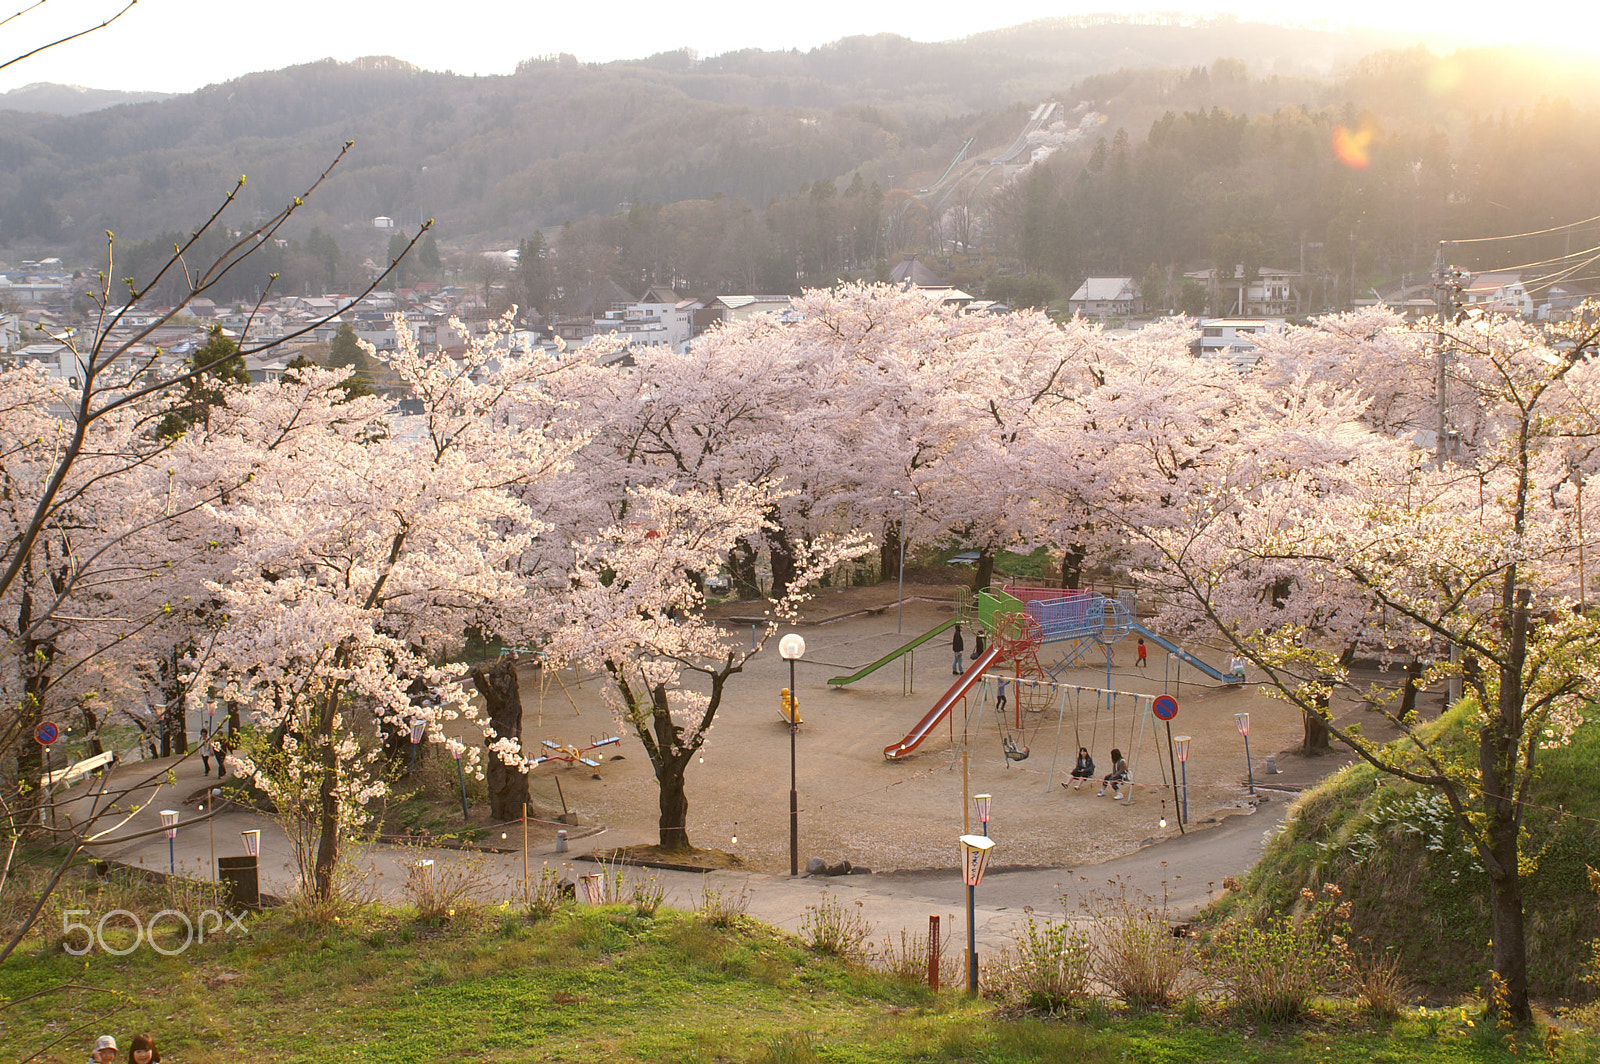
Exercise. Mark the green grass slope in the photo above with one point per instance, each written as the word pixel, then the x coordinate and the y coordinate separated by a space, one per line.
pixel 1417 886
pixel 613 984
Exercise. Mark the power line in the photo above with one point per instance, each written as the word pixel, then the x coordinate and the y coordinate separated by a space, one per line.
pixel 1541 262
pixel 1519 236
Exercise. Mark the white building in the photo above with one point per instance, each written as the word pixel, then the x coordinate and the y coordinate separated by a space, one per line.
pixel 1501 292
pixel 1231 339
pixel 1107 297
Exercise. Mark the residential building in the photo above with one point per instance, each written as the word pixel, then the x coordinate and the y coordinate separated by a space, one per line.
pixel 1230 339
pixel 1500 291
pixel 1107 297
pixel 1271 293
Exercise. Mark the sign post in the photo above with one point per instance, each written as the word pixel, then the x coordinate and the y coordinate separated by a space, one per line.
pixel 1165 707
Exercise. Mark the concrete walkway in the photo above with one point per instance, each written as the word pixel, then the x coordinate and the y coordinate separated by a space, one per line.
pixel 1186 870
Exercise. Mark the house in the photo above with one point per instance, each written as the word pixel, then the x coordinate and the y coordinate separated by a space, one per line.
pixel 1271 293
pixel 1499 291
pixel 1107 297
pixel 912 273
pixel 743 308
pixel 1561 301
pixel 1229 339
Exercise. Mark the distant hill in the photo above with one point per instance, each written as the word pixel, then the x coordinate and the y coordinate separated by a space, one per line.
pixel 50 98
pixel 494 158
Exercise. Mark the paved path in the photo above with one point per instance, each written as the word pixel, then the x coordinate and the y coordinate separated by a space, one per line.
pixel 1186 870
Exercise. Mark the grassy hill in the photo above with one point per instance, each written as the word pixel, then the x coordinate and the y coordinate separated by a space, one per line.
pixel 1417 887
pixel 620 982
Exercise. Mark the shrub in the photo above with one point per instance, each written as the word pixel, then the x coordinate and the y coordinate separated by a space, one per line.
pixel 1272 971
pixel 445 890
pixel 1137 955
pixel 545 896
pixel 832 927
pixel 908 959
pixel 722 906
pixel 1049 972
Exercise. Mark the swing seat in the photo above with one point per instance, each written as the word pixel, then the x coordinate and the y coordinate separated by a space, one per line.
pixel 1012 753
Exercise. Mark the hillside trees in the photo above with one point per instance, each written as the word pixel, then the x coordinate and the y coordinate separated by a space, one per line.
pixel 363 556
pixel 1314 535
pixel 98 442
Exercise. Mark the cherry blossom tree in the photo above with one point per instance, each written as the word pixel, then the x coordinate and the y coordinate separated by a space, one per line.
pixel 1312 531
pixel 636 612
pixel 365 548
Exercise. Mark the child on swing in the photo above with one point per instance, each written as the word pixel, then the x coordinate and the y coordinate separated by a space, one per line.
pixel 1083 770
pixel 1117 775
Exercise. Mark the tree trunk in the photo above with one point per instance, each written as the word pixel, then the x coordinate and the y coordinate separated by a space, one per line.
pixel 1072 560
pixel 1316 739
pixel 501 689
pixel 328 802
pixel 673 827
pixel 1509 950
pixel 742 566
pixel 91 729
pixel 174 721
pixel 889 551
pixel 1499 745
pixel 1408 699
pixel 782 554
pixel 983 573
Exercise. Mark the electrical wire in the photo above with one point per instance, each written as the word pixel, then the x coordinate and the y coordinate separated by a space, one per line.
pixel 1540 262
pixel 1519 236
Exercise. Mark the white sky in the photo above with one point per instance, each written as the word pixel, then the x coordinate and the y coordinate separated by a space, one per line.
pixel 180 45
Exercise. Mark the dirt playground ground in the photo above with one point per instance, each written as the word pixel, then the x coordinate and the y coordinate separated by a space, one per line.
pixel 904 815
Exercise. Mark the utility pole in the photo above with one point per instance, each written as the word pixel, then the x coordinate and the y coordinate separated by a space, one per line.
pixel 1447 285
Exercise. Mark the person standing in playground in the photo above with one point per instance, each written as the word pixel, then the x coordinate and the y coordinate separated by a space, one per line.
pixel 1000 697
pixel 1117 776
pixel 977 645
pixel 958 646
pixel 1144 652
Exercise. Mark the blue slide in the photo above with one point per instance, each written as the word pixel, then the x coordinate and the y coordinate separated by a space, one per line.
pixel 1183 655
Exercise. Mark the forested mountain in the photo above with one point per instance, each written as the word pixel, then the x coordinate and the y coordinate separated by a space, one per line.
pixel 774 170
pixel 70 99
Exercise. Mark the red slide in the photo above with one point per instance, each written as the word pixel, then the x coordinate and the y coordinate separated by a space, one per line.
pixel 973 674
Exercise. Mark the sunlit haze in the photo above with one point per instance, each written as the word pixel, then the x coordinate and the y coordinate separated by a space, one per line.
pixel 180 45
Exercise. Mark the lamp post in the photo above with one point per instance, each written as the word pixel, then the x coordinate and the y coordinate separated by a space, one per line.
pixel 169 817
pixel 1183 764
pixel 791 648
pixel 974 859
pixel 419 728
pixel 900 601
pixel 252 842
pixel 983 802
pixel 1242 720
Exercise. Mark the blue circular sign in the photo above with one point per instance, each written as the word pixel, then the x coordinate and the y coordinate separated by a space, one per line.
pixel 1165 707
pixel 46 733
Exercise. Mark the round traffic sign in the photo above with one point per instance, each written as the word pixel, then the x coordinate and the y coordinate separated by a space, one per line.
pixel 46 733
pixel 1165 707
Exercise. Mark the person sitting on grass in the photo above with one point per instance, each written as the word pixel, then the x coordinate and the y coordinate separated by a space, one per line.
pixel 105 1050
pixel 1117 775
pixel 1083 770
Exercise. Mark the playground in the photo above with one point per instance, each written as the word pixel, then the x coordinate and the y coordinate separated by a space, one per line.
pixel 880 760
